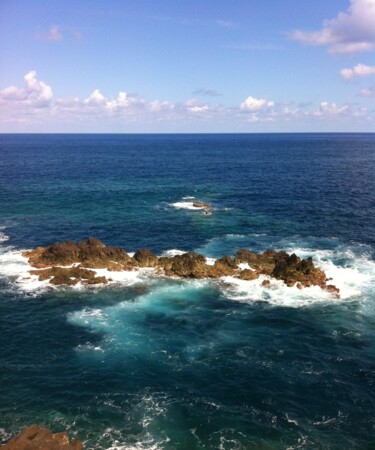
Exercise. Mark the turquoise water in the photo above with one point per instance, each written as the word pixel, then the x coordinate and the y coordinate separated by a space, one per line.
pixel 154 363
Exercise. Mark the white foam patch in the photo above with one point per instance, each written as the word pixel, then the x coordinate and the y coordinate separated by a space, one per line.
pixel 173 252
pixel 3 237
pixel 353 277
pixel 210 261
pixel 15 267
pixel 244 266
pixel 186 205
pixel 277 293
pixel 125 277
pixel 88 347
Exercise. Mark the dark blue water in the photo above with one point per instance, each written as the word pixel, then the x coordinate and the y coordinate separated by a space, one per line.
pixel 184 364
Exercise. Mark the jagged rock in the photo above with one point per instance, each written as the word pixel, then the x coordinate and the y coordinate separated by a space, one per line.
pixel 145 258
pixel 92 253
pixel 334 290
pixel 248 274
pixel 266 283
pixel 36 437
pixel 68 275
pixel 263 263
pixel 225 266
pixel 291 269
pixel 188 265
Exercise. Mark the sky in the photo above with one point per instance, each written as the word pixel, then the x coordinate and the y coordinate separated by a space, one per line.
pixel 195 66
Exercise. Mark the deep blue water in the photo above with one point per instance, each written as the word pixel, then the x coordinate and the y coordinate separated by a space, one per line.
pixel 184 364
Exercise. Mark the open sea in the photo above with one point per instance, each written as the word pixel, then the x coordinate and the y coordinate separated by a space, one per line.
pixel 154 363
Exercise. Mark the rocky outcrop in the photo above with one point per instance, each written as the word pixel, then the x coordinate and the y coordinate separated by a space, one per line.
pixel 36 437
pixel 188 265
pixel 83 256
pixel 145 258
pixel 91 253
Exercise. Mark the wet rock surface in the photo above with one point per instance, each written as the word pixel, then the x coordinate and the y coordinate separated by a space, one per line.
pixel 36 437
pixel 93 254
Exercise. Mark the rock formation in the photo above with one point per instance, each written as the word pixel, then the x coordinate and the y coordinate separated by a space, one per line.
pixel 93 254
pixel 36 437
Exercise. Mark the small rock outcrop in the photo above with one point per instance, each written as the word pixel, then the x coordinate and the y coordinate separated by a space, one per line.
pixel 188 265
pixel 36 437
pixel 67 263
pixel 201 205
pixel 69 276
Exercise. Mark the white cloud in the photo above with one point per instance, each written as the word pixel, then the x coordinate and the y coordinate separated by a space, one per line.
pixel 360 70
pixel 256 104
pixel 96 98
pixel 157 106
pixel 194 106
pixel 36 93
pixel 350 32
pixel 330 109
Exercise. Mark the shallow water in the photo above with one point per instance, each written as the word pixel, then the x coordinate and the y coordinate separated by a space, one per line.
pixel 154 363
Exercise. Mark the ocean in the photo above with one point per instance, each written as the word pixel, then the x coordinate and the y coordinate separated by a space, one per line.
pixel 148 362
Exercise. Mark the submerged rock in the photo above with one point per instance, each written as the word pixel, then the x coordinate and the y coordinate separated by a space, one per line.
pixel 84 256
pixel 201 205
pixel 36 437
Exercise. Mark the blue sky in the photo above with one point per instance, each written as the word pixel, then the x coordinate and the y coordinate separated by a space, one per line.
pixel 187 66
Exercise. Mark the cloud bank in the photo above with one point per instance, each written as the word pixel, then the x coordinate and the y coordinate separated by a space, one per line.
pixel 35 104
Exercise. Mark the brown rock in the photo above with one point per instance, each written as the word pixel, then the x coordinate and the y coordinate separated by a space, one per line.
pixel 36 437
pixel 225 266
pixel 90 253
pixel 263 263
pixel 266 283
pixel 145 258
pixel 201 205
pixel 334 290
pixel 68 276
pixel 248 274
pixel 188 265
pixel 291 269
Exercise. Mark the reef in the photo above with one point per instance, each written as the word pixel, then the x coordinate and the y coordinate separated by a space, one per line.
pixel 67 263
pixel 36 437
